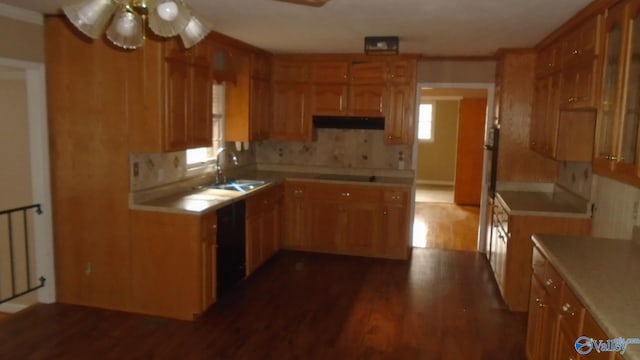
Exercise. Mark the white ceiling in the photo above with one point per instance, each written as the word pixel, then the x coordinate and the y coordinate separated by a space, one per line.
pixel 428 27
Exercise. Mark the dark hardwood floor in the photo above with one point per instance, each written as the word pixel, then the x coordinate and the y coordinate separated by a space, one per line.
pixel 440 305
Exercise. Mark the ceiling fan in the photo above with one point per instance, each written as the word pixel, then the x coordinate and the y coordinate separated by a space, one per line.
pixel 316 3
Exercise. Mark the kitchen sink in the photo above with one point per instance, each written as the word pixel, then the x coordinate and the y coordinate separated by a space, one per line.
pixel 241 185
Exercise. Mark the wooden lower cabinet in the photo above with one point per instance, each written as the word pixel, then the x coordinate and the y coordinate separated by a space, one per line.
pixel 294 216
pixel 511 249
pixel 263 226
pixel 347 219
pixel 557 318
pixel 174 272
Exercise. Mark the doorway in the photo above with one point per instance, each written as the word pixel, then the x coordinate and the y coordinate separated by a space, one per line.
pixel 25 155
pixel 450 165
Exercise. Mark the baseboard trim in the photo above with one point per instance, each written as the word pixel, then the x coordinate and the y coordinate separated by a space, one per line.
pixel 12 308
pixel 435 182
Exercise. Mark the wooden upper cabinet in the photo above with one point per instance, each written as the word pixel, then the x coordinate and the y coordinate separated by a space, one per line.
pixel 329 99
pixel 548 60
pixel 237 97
pixel 261 65
pixel 399 126
pixel 175 88
pixel 617 150
pixel 610 97
pixel 402 71
pixel 582 44
pixel 330 72
pixel 368 100
pixel 368 72
pixel 291 119
pixel 290 71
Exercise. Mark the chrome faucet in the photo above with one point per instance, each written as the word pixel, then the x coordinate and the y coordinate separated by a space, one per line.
pixel 219 175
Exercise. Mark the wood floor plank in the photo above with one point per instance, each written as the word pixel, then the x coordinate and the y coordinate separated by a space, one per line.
pixel 439 305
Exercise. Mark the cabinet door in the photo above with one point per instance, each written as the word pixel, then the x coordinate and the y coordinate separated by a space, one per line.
pixel 201 128
pixel 290 71
pixel 627 161
pixel 326 220
pixel 399 123
pixel 548 60
pixel 260 113
pixel 368 72
pixel 329 99
pixel 534 322
pixel 330 72
pixel 396 223
pixel 208 260
pixel 294 217
pixel 606 136
pixel 254 241
pixel 177 102
pixel 362 231
pixel 290 119
pixel 271 231
pixel 402 71
pixel 368 100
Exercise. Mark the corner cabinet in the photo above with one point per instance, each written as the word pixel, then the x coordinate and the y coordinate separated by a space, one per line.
pixel 175 87
pixel 174 272
pixel 617 151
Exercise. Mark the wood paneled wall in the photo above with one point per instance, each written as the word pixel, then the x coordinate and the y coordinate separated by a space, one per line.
pixel 516 161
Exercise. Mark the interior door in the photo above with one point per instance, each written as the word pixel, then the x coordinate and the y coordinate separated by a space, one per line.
pixel 469 158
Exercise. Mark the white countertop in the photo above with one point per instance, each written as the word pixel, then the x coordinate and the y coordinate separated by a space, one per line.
pixel 605 275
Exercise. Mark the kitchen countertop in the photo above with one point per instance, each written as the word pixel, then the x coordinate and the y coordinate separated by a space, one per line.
pixel 190 197
pixel 540 203
pixel 604 275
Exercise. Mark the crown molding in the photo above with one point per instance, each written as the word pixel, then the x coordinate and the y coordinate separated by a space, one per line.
pixel 21 14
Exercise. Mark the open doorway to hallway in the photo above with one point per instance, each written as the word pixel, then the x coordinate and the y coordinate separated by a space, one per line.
pixel 449 167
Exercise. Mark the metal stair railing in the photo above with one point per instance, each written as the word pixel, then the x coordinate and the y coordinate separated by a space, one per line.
pixel 13 247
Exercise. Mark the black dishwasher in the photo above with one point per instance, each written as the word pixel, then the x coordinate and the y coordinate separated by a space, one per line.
pixel 231 259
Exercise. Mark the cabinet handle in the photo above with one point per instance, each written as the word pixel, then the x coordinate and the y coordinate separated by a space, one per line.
pixel 550 283
pixel 384 212
pixel 575 52
pixel 346 194
pixel 567 309
pixel 550 64
pixel 571 99
pixel 389 137
pixel 611 157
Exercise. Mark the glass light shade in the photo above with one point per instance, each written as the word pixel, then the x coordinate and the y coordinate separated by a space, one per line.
pixel 168 17
pixel 195 31
pixel 90 16
pixel 126 29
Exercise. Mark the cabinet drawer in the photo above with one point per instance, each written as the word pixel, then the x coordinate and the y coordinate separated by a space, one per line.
pixel 572 312
pixel 332 192
pixel 538 263
pixel 262 201
pixel 553 284
pixel 397 197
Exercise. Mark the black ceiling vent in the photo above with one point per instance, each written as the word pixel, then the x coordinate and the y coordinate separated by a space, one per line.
pixel 348 122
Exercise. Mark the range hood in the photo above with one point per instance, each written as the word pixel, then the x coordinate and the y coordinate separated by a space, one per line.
pixel 348 122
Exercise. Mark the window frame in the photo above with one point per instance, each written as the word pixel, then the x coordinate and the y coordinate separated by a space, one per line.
pixel 432 122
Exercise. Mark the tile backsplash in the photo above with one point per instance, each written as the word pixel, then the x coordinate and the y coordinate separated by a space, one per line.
pixel 576 177
pixel 338 148
pixel 616 208
pixel 156 169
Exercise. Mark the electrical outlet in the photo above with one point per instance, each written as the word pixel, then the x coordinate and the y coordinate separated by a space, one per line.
pixel 634 213
pixel 136 169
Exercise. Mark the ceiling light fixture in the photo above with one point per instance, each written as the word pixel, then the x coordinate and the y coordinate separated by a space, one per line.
pixel 166 18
